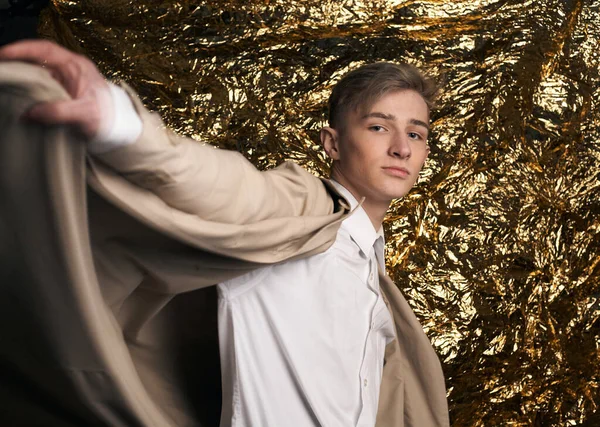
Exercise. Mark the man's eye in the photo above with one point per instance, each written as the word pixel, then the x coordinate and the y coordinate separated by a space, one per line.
pixel 414 135
pixel 377 128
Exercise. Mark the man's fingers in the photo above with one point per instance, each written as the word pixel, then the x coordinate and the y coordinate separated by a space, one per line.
pixel 77 74
pixel 81 113
pixel 41 52
pixel 72 71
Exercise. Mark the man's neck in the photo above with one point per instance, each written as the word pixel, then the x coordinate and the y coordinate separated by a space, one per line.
pixel 375 210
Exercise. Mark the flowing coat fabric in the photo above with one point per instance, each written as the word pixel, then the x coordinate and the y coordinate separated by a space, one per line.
pixel 107 265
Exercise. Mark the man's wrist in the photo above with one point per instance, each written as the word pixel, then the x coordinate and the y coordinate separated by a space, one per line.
pixel 123 125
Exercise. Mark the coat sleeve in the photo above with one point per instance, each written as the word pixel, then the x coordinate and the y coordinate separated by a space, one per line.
pixel 211 183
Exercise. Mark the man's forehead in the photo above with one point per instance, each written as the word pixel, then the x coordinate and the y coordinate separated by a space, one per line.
pixel 378 103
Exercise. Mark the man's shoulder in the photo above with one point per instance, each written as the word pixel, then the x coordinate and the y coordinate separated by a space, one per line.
pixel 299 174
pixel 342 248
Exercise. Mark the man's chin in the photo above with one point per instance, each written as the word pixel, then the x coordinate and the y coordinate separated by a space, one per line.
pixel 398 193
pixel 390 197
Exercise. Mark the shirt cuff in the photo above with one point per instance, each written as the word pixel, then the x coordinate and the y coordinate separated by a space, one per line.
pixel 122 126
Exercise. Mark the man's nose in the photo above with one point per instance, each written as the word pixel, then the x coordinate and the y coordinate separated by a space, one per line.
pixel 401 147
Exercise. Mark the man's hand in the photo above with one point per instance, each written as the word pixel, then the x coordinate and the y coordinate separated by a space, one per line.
pixel 89 110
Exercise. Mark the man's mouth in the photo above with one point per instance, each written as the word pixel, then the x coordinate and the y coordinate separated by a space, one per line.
pixel 397 171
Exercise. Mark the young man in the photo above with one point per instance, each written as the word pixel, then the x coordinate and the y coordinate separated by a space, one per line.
pixel 308 341
pixel 319 326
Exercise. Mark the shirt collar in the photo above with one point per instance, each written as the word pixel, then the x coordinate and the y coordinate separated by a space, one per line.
pixel 360 227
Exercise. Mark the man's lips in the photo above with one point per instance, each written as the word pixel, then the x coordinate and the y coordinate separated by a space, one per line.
pixel 397 171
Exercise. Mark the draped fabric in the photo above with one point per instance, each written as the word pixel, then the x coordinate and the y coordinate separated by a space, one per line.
pixel 497 248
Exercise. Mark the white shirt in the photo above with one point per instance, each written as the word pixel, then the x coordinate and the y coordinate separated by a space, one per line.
pixel 302 343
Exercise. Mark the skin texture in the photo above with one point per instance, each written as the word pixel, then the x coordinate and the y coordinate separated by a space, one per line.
pixel 373 148
pixel 90 106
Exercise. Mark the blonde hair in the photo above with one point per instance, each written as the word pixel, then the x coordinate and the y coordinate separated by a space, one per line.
pixel 361 88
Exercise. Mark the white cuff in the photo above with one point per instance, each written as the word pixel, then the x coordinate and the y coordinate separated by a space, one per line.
pixel 122 127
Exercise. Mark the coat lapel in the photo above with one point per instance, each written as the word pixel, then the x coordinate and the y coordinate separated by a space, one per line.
pixel 413 392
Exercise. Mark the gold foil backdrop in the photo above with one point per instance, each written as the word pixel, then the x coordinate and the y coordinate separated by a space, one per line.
pixel 497 249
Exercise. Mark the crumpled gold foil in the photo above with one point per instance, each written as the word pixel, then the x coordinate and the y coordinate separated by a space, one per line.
pixel 497 248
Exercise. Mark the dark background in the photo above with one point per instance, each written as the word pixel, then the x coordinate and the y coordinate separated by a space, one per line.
pixel 19 18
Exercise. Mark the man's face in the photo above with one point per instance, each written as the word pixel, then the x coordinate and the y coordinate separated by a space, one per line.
pixel 379 154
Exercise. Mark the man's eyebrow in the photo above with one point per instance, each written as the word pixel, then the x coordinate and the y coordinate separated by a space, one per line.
pixel 391 117
pixel 420 123
pixel 380 115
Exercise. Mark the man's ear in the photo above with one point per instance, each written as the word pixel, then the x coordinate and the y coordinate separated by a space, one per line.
pixel 427 152
pixel 330 141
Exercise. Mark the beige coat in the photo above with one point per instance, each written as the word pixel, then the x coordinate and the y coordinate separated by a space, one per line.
pixel 108 313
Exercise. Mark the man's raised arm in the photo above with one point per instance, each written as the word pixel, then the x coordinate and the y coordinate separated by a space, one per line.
pixel 195 178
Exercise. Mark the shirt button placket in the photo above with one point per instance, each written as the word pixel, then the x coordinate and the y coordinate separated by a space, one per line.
pixel 372 275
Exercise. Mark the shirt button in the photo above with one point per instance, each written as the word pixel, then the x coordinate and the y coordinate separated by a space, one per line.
pixel 365 382
pixel 371 277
